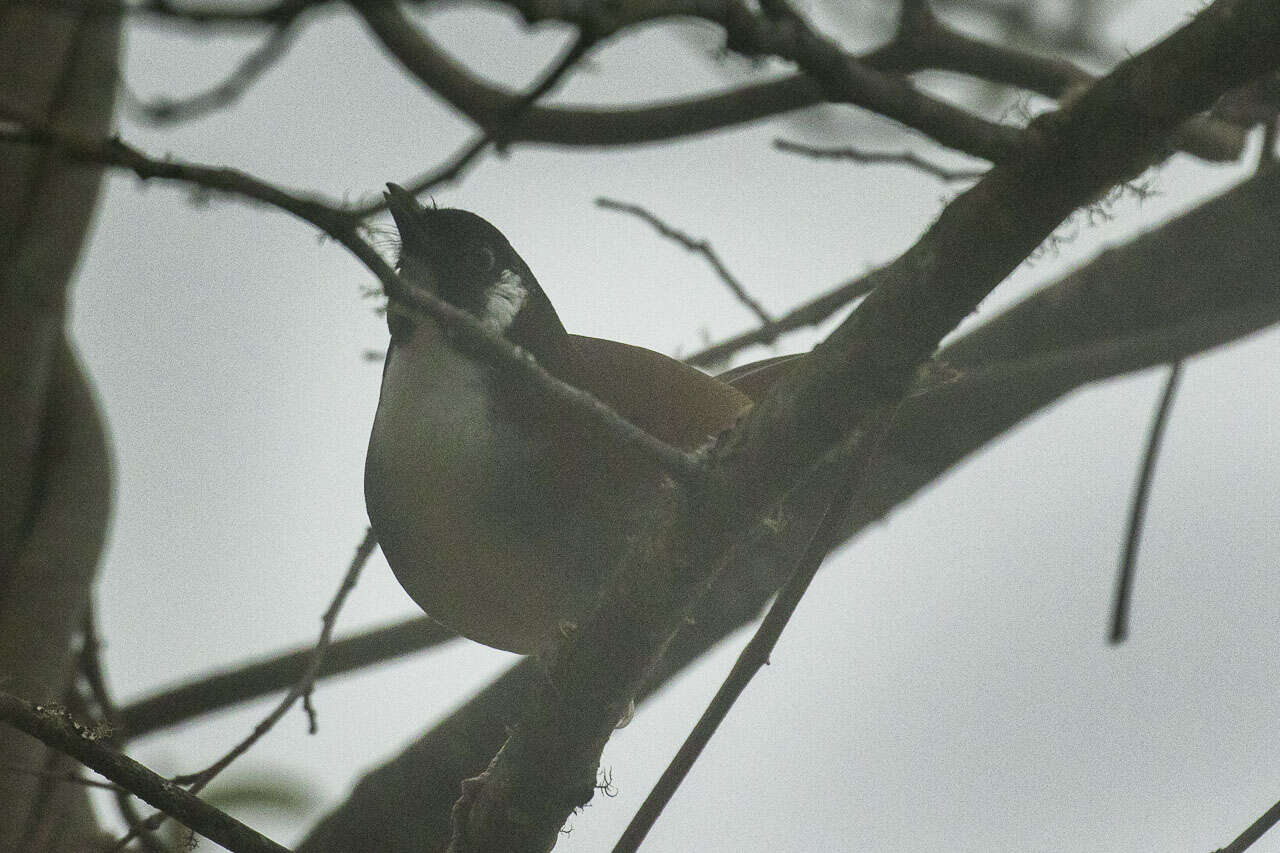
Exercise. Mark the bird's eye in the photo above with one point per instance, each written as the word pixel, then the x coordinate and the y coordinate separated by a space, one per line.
pixel 481 257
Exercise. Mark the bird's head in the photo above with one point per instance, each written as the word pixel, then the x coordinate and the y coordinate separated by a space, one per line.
pixel 462 259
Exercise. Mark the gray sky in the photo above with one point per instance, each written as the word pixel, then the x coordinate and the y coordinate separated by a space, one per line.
pixel 945 684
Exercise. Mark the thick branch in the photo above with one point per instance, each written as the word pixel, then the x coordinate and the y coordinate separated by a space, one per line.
pixel 840 77
pixel 848 386
pixel 1161 297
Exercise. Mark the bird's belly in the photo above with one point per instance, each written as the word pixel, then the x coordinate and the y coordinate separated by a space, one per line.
pixel 469 531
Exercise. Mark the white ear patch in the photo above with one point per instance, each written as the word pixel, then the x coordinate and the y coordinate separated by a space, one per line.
pixel 503 301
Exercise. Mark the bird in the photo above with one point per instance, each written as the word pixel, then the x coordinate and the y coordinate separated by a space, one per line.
pixel 499 512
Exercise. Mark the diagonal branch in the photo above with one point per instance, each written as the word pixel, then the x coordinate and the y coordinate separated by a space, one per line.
pixel 56 729
pixel 344 227
pixel 1164 296
pixel 847 388
pixel 700 247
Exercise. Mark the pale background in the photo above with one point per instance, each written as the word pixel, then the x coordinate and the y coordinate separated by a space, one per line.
pixel 946 684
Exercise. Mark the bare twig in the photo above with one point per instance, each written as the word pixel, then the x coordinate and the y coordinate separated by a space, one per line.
pixel 55 728
pixel 1138 509
pixel 809 314
pixel 300 690
pixel 700 247
pixel 165 110
pixel 304 685
pixel 905 158
pixel 497 133
pixel 90 662
pixel 757 651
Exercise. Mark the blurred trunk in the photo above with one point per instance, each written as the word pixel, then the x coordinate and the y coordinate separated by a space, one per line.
pixel 56 66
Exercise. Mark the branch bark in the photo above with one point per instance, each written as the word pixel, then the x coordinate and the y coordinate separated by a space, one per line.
pixel 848 387
pixel 1202 280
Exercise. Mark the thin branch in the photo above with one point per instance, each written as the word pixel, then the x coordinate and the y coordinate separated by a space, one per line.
pixel 1138 509
pixel 55 728
pixel 90 665
pixel 214 692
pixel 303 686
pixel 905 158
pixel 808 314
pixel 343 226
pixel 164 111
pixel 700 247
pixel 756 653
pixel 1256 830
pixel 497 133
pixel 301 689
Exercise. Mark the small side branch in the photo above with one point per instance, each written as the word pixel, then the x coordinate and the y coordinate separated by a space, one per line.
pixel 300 690
pixel 165 111
pixel 756 653
pixel 497 133
pixel 809 314
pixel 700 247
pixel 905 158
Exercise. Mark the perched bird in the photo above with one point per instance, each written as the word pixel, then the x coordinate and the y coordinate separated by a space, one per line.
pixel 498 512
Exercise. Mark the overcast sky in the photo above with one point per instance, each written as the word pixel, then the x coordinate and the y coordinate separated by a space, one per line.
pixel 945 685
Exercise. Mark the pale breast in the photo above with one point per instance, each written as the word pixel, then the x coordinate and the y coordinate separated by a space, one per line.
pixel 453 524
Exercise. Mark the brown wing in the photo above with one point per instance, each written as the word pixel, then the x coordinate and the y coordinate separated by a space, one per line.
pixel 675 402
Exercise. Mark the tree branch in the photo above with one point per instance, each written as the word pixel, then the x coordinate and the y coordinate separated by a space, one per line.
pixel 215 692
pixel 344 227
pixel 55 728
pixel 1199 281
pixel 699 247
pixel 844 78
pixel 164 110
pixel 904 158
pixel 847 387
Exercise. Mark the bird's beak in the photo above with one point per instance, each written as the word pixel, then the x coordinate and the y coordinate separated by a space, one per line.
pixel 407 214
pixel 418 246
